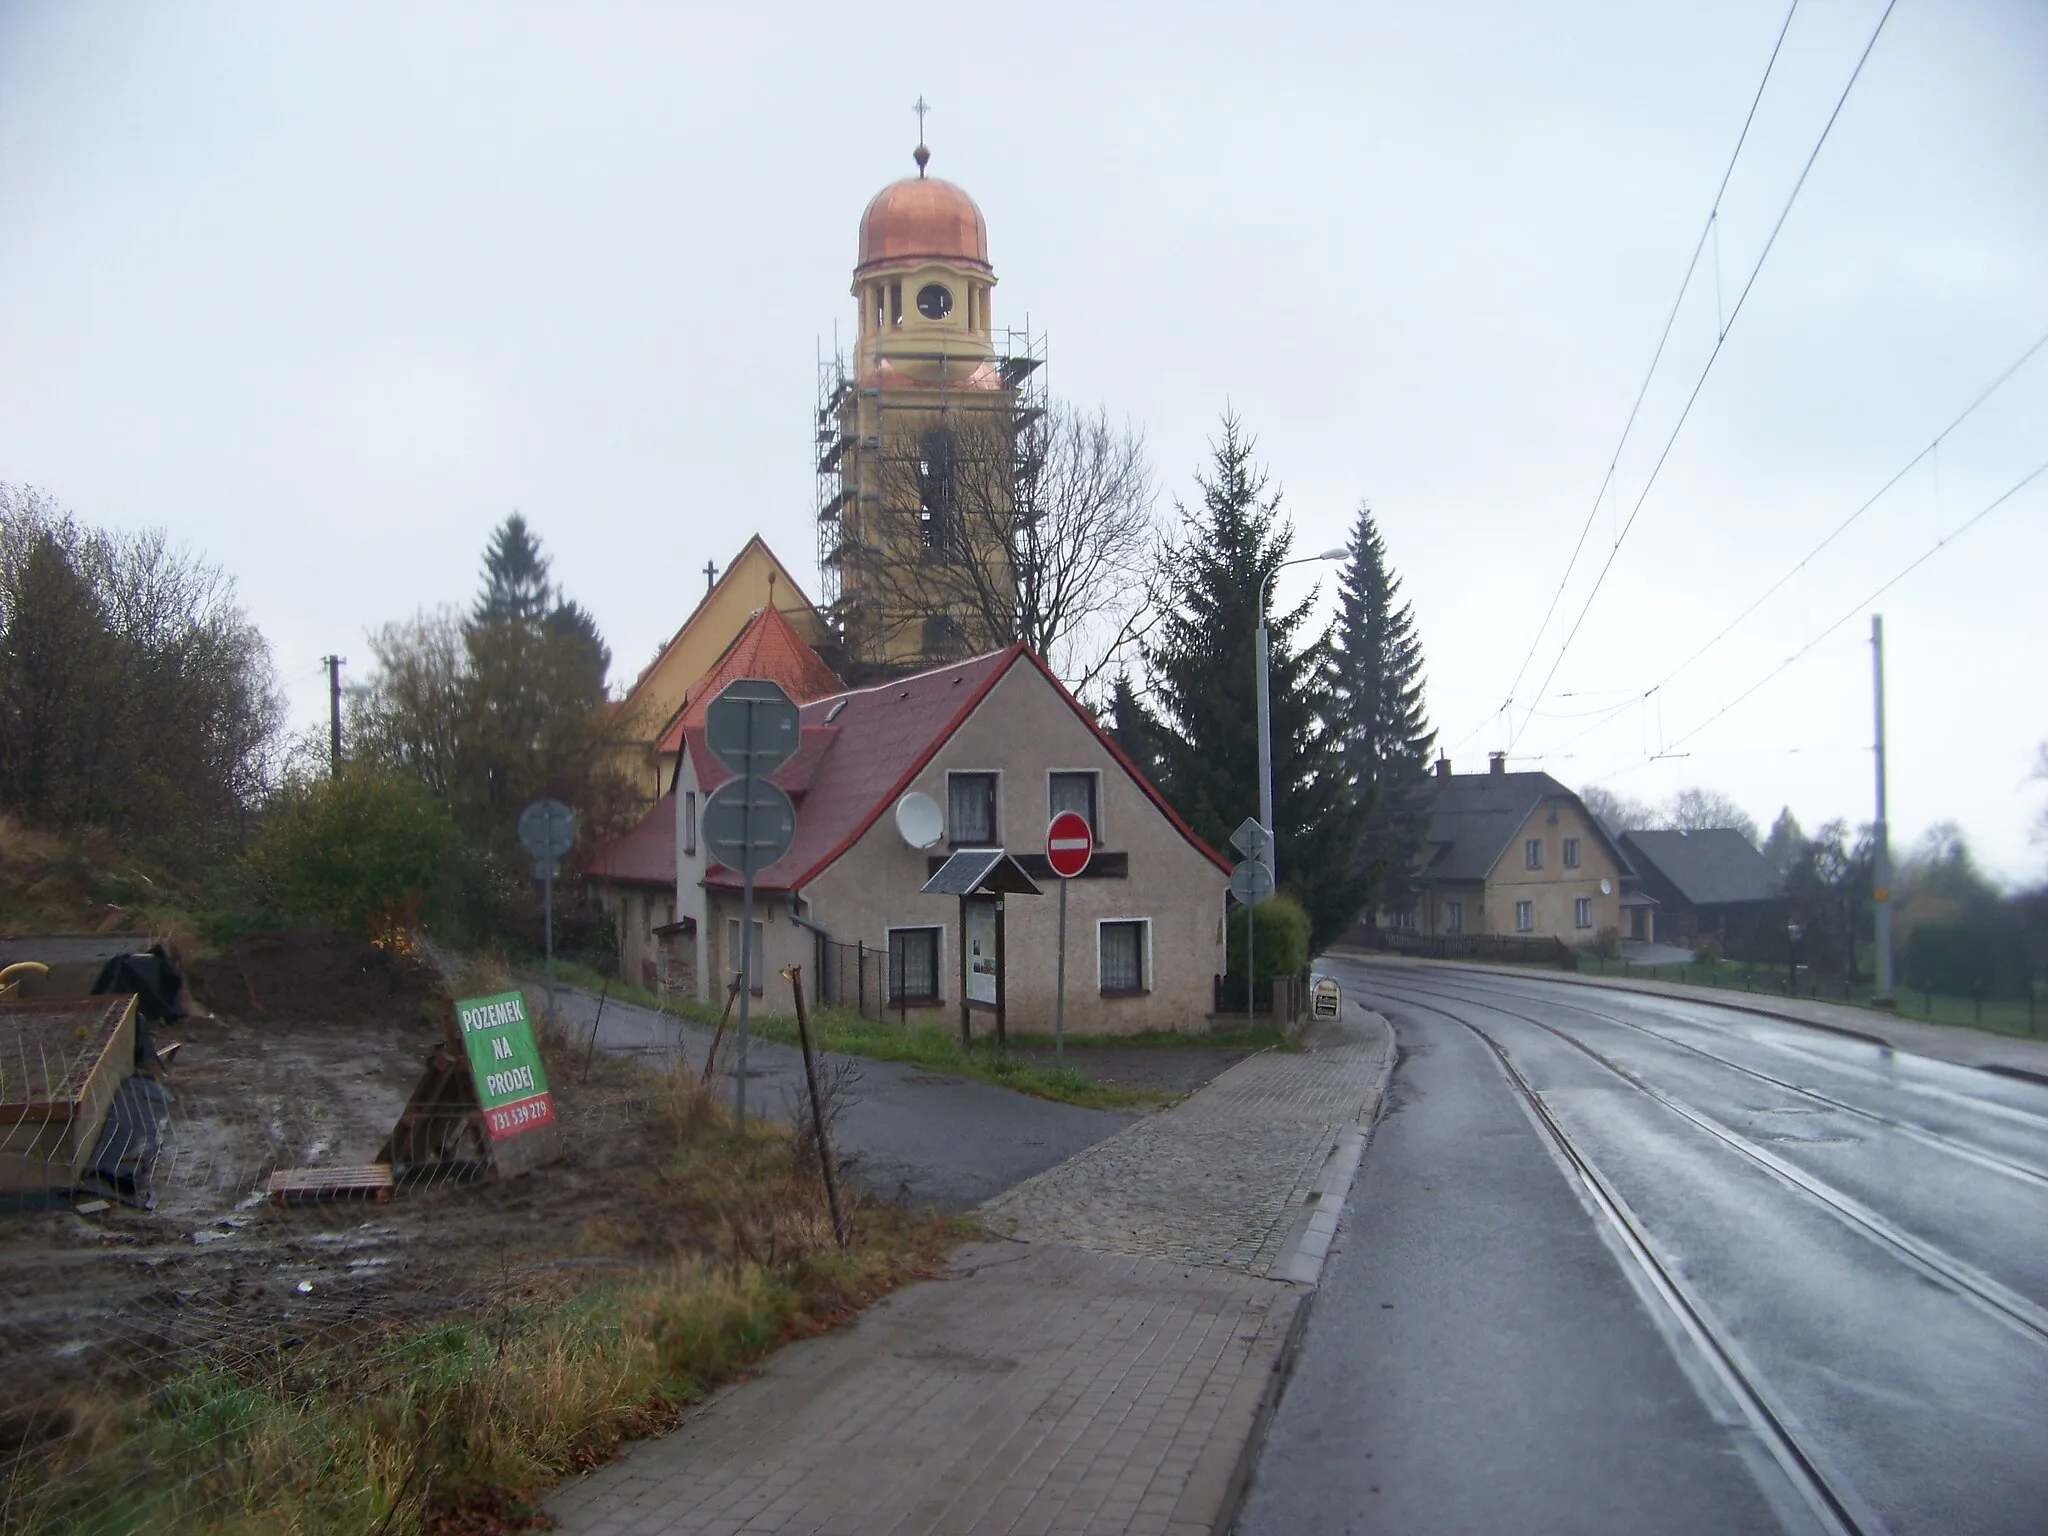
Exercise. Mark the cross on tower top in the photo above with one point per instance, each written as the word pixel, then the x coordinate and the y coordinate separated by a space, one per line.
pixel 922 155
pixel 710 575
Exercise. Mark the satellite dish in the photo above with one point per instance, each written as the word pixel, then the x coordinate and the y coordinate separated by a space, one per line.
pixel 1606 887
pixel 918 820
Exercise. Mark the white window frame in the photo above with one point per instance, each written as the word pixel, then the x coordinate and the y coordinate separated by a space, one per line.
pixel 758 981
pixel 1532 853
pixel 1095 821
pixel 690 823
pixel 1571 853
pixel 1145 975
pixel 1525 917
pixel 1582 912
pixel 938 998
pixel 995 835
pixel 1454 917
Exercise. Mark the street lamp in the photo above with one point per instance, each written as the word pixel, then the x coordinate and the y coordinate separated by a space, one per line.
pixel 1792 932
pixel 1266 712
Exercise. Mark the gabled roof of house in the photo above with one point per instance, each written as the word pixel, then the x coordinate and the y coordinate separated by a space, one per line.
pixel 1474 818
pixel 644 856
pixel 1708 868
pixel 860 750
pixel 768 647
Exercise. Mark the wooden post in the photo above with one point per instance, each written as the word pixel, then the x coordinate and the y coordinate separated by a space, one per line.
pixel 1002 1037
pixel 803 1034
pixel 711 1056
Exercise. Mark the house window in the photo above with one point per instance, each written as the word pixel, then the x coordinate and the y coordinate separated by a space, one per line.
pixel 1571 853
pixel 1532 853
pixel 1525 917
pixel 1122 949
pixel 971 809
pixel 1454 917
pixel 1582 912
pixel 914 965
pixel 1074 792
pixel 732 955
pixel 690 822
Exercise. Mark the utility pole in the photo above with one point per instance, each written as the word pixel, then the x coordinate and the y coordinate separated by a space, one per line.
pixel 334 665
pixel 1880 835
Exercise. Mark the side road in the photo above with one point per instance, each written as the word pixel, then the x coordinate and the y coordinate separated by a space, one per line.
pixel 1103 1363
pixel 1955 1043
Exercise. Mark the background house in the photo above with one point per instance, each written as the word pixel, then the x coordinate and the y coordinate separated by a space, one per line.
pixel 1516 854
pixel 1711 881
pixel 999 745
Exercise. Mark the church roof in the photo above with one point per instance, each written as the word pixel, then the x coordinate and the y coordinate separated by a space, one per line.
pixel 922 216
pixel 768 647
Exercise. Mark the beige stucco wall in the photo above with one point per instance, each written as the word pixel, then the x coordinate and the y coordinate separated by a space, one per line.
pixel 1023 730
pixel 1553 889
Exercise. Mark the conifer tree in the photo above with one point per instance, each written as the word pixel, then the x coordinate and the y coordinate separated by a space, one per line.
pixel 1377 715
pixel 516 585
pixel 1201 668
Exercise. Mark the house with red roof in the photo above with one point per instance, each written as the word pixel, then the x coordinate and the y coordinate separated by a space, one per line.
pixel 634 877
pixel 999 745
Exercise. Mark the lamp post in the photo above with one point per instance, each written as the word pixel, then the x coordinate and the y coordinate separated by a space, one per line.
pixel 1792 932
pixel 1266 712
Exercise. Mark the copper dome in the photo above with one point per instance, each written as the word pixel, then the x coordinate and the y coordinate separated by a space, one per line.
pixel 922 216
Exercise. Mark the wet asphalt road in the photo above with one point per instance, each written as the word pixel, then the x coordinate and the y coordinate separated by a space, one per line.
pixel 1717 1273
pixel 923 1138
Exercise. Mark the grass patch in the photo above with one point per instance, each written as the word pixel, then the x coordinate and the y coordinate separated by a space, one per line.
pixel 415 1428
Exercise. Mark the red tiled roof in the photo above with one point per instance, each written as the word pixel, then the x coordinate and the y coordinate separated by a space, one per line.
pixel 860 750
pixel 644 856
pixel 769 647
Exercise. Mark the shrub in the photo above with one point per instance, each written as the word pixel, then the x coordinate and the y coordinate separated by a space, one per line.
pixel 1607 943
pixel 1983 957
pixel 1279 937
pixel 364 852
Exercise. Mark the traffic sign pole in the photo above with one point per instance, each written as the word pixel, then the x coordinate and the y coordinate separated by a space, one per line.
pixel 1059 1007
pixel 746 929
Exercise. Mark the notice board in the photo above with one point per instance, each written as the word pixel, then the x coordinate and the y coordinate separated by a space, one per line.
pixel 511 1085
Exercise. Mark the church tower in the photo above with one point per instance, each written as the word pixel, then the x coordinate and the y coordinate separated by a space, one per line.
pixel 928 444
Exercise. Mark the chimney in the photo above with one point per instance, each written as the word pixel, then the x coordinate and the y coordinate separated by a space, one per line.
pixel 1443 767
pixel 1496 762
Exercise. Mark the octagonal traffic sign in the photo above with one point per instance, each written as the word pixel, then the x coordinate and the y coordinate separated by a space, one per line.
pixel 1069 844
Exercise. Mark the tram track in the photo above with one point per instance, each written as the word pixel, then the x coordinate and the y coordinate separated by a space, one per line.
pixel 1963 1280
pixel 1931 1138
pixel 1833 1506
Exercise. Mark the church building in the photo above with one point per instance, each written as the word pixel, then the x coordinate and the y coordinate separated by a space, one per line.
pixel 928 443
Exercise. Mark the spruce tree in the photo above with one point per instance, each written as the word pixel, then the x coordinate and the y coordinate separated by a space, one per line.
pixel 1377 716
pixel 516 585
pixel 1201 667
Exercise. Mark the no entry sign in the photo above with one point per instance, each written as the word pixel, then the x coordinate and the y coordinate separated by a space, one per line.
pixel 503 1059
pixel 1069 844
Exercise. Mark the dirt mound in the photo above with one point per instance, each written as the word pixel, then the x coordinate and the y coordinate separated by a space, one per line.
pixel 314 977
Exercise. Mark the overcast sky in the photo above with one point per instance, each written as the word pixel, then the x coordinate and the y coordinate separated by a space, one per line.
pixel 328 290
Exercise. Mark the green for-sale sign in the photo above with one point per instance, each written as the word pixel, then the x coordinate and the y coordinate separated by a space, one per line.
pixel 505 1063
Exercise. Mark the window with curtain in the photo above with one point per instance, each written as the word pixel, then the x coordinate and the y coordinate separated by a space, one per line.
pixel 914 965
pixel 1074 792
pixel 1123 956
pixel 1525 917
pixel 971 810
pixel 690 822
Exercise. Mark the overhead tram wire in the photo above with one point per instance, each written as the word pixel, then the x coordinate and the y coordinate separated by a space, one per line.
pixel 1642 392
pixel 1856 608
pixel 1805 560
pixel 1721 340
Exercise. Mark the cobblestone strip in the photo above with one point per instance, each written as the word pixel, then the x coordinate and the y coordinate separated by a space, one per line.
pixel 1221 1180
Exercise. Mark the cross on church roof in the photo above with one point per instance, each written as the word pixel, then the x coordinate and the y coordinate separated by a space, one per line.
pixel 922 155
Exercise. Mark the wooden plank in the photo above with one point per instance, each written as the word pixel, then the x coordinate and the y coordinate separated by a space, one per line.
pixel 369 1180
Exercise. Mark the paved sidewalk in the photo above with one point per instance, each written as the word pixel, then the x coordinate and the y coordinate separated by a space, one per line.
pixel 1103 1365
pixel 1957 1043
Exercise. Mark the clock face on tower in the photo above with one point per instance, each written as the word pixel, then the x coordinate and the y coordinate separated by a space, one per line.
pixel 934 301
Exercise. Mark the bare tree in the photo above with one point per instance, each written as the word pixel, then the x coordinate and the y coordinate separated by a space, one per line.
pixel 1617 813
pixel 1706 810
pixel 1042 533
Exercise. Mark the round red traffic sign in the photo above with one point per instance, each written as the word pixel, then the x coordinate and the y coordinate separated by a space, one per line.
pixel 1069 844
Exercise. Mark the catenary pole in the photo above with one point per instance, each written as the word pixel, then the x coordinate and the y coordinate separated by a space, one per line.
pixel 1880 834
pixel 334 666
